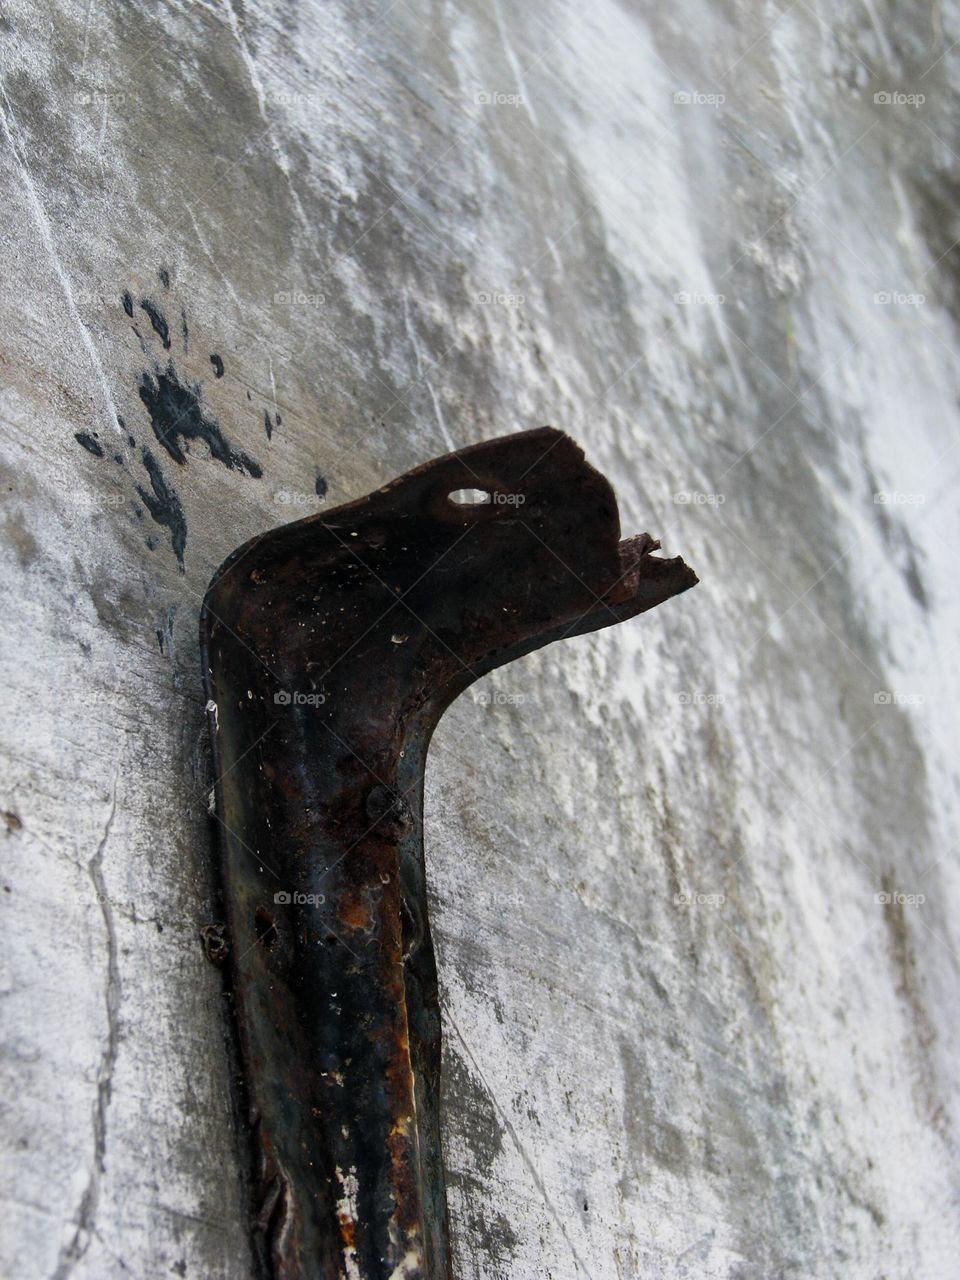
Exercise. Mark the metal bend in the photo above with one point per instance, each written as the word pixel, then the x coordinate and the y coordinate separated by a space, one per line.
pixel 331 648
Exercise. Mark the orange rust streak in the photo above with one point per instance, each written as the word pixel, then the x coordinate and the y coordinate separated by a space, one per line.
pixel 348 1231
pixel 354 910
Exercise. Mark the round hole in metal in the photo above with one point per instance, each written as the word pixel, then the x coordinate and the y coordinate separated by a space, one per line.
pixel 470 497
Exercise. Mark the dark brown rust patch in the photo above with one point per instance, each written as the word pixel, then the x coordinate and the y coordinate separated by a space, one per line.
pixel 354 910
pixel 215 945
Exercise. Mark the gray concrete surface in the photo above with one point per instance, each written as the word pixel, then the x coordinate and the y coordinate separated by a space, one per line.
pixel 695 879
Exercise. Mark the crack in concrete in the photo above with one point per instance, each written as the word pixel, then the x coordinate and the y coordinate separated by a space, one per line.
pixel 73 1252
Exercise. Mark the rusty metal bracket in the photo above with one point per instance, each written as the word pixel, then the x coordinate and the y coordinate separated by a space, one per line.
pixel 331 648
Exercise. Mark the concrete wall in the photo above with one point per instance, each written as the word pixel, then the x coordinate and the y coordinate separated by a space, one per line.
pixel 699 1021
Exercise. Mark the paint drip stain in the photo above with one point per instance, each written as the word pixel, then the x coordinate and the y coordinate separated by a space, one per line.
pixel 158 320
pixel 176 413
pixel 177 418
pixel 164 505
pixel 89 443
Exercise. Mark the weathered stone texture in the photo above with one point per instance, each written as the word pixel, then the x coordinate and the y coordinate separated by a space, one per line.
pixel 331 240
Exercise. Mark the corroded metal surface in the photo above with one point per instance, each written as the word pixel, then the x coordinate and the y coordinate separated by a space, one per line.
pixel 331 648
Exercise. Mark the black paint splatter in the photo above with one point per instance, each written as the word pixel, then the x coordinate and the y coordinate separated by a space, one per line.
pixel 183 327
pixel 164 505
pixel 158 320
pixel 175 412
pixel 217 362
pixel 320 487
pixel 88 442
pixel 128 304
pixel 267 425
pixel 164 275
